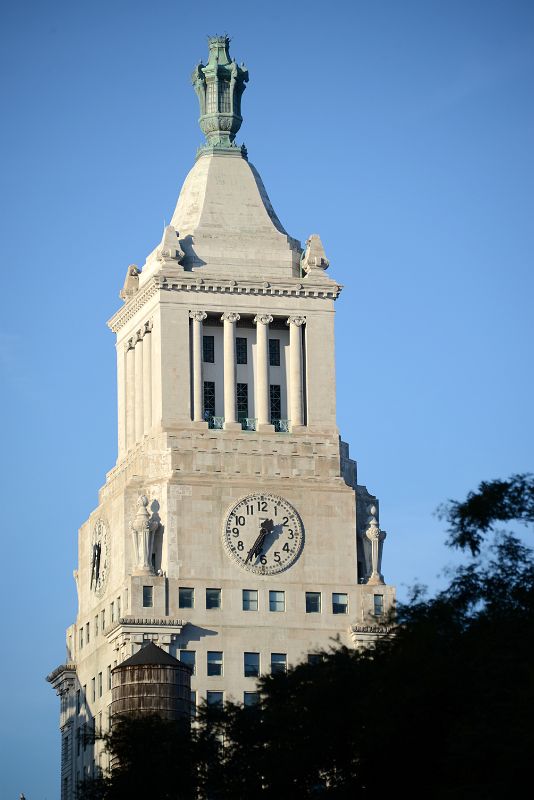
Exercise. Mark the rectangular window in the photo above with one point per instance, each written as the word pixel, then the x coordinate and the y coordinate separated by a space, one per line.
pixel 242 401
pixel 215 663
pixel 189 657
pixel 214 698
pixel 208 349
pixel 81 637
pixel 313 602
pixel 251 665
pixel 340 603
pixel 378 605
pixel 186 597
pixel 209 398
pixel 314 658
pixel 96 625
pixel 213 598
pixel 78 701
pixel 93 689
pixel 148 596
pixel 112 611
pixel 118 608
pixel 274 352
pixel 87 633
pixel 102 620
pixel 193 705
pixel 278 663
pixel 109 677
pixel 224 96
pixel 211 98
pixel 275 400
pixel 241 350
pixel 251 699
pixel 100 685
pixel 250 599
pixel 99 723
pixel 277 601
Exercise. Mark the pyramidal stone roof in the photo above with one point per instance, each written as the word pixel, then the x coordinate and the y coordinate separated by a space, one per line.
pixel 224 223
pixel 151 654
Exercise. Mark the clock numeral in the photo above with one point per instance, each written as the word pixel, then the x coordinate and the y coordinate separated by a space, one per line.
pixel 276 556
pixel 290 534
pixel 262 505
pixel 239 520
pixel 263 560
pixel 240 545
pixel 285 521
pixel 285 548
pixel 250 509
pixel 235 531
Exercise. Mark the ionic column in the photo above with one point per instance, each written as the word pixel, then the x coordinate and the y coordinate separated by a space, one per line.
pixel 198 317
pixel 139 418
pixel 295 371
pixel 229 319
pixel 147 377
pixel 130 393
pixel 262 322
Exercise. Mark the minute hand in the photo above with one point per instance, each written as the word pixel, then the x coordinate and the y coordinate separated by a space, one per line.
pixel 255 550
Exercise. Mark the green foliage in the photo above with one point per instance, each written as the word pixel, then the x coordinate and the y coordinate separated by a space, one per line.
pixel 440 710
pixel 495 501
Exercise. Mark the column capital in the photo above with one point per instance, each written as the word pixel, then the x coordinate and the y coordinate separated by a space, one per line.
pixel 147 327
pixel 129 344
pixel 296 320
pixel 265 319
pixel 198 316
pixel 230 316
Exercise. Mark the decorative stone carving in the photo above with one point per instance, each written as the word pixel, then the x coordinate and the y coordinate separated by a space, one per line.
pixel 314 257
pixel 265 319
pixel 376 537
pixel 131 282
pixel 198 316
pixel 143 530
pixel 169 249
pixel 230 316
pixel 296 320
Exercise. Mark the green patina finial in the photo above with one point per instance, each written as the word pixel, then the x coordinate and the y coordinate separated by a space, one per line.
pixel 219 85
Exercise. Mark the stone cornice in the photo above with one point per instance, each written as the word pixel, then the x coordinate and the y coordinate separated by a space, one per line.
pixel 58 672
pixel 320 289
pixel 145 622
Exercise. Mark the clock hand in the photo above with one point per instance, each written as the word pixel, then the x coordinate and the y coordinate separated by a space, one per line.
pixel 97 566
pixel 256 548
pixel 93 564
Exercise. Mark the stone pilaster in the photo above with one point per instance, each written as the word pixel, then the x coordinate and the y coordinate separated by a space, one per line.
pixel 130 393
pixel 139 416
pixel 198 318
pixel 147 377
pixel 296 412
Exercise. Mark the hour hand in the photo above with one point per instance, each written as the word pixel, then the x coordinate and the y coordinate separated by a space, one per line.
pixel 255 550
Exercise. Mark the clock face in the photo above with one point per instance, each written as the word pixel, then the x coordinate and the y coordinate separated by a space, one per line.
pixel 263 533
pixel 99 556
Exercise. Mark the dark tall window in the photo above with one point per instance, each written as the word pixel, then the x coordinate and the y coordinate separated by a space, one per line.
pixel 242 401
pixel 208 349
pixel 274 352
pixel 276 402
pixel 241 349
pixel 209 398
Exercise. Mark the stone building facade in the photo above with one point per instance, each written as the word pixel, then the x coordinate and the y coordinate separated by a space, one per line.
pixel 232 531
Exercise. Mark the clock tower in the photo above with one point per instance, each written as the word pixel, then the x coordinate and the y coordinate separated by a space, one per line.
pixel 231 532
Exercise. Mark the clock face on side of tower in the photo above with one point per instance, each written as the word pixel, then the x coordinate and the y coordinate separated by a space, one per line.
pixel 263 533
pixel 99 556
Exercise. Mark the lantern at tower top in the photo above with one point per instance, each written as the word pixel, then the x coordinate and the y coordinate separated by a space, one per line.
pixel 219 86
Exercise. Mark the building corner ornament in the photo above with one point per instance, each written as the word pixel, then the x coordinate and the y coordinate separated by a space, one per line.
pixel 143 529
pixel 376 536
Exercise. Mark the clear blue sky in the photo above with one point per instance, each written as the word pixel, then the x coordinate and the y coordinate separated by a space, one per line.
pixel 401 132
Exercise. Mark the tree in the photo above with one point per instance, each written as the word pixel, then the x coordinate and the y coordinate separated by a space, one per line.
pixel 495 501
